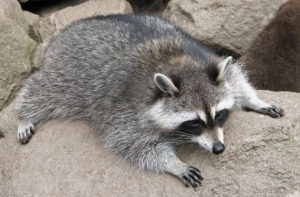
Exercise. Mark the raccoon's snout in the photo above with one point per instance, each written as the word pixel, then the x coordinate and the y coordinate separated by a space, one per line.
pixel 218 148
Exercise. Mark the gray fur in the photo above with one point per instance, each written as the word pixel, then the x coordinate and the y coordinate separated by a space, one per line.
pixel 101 70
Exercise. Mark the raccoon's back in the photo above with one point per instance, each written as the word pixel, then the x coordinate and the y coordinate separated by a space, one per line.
pixel 101 42
pixel 102 38
pixel 91 62
pixel 104 46
pixel 96 60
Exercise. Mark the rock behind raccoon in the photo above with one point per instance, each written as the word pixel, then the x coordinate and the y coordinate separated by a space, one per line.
pixel 144 84
pixel 274 57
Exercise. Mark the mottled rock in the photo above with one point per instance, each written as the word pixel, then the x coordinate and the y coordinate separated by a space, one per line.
pixel 32 20
pixel 58 20
pixel 67 159
pixel 16 50
pixel 229 24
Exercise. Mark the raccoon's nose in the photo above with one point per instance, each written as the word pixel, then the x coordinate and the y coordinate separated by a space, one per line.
pixel 218 148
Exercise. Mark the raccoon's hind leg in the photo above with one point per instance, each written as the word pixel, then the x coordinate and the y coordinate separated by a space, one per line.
pixel 29 117
pixel 31 113
pixel 32 109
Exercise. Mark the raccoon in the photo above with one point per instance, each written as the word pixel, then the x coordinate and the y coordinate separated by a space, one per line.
pixel 274 57
pixel 144 84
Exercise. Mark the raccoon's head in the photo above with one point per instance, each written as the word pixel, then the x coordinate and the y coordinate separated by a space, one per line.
pixel 193 104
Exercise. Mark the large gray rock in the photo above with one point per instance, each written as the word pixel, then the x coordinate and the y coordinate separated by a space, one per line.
pixel 67 159
pixel 229 24
pixel 16 50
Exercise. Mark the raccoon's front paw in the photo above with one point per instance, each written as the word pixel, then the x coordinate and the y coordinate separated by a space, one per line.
pixel 25 131
pixel 273 111
pixel 192 177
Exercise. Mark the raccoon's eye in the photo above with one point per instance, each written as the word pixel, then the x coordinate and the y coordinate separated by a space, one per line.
pixel 192 126
pixel 221 117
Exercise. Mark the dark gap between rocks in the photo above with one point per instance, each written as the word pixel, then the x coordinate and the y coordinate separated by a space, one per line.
pixel 43 7
pixel 225 52
pixel 148 6
pixel 37 6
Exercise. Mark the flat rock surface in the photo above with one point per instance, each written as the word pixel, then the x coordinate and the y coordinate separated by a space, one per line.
pixel 68 159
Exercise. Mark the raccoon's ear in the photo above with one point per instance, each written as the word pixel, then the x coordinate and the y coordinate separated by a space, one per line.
pixel 222 67
pixel 165 84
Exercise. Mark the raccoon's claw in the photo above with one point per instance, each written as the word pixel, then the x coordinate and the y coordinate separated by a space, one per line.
pixel 273 111
pixel 25 132
pixel 191 177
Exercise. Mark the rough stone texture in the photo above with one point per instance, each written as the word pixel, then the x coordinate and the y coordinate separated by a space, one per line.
pixel 16 50
pixel 32 20
pixel 58 20
pixel 230 24
pixel 67 159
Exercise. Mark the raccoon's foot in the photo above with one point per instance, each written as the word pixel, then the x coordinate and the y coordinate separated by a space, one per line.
pixel 273 111
pixel 189 175
pixel 192 176
pixel 25 131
